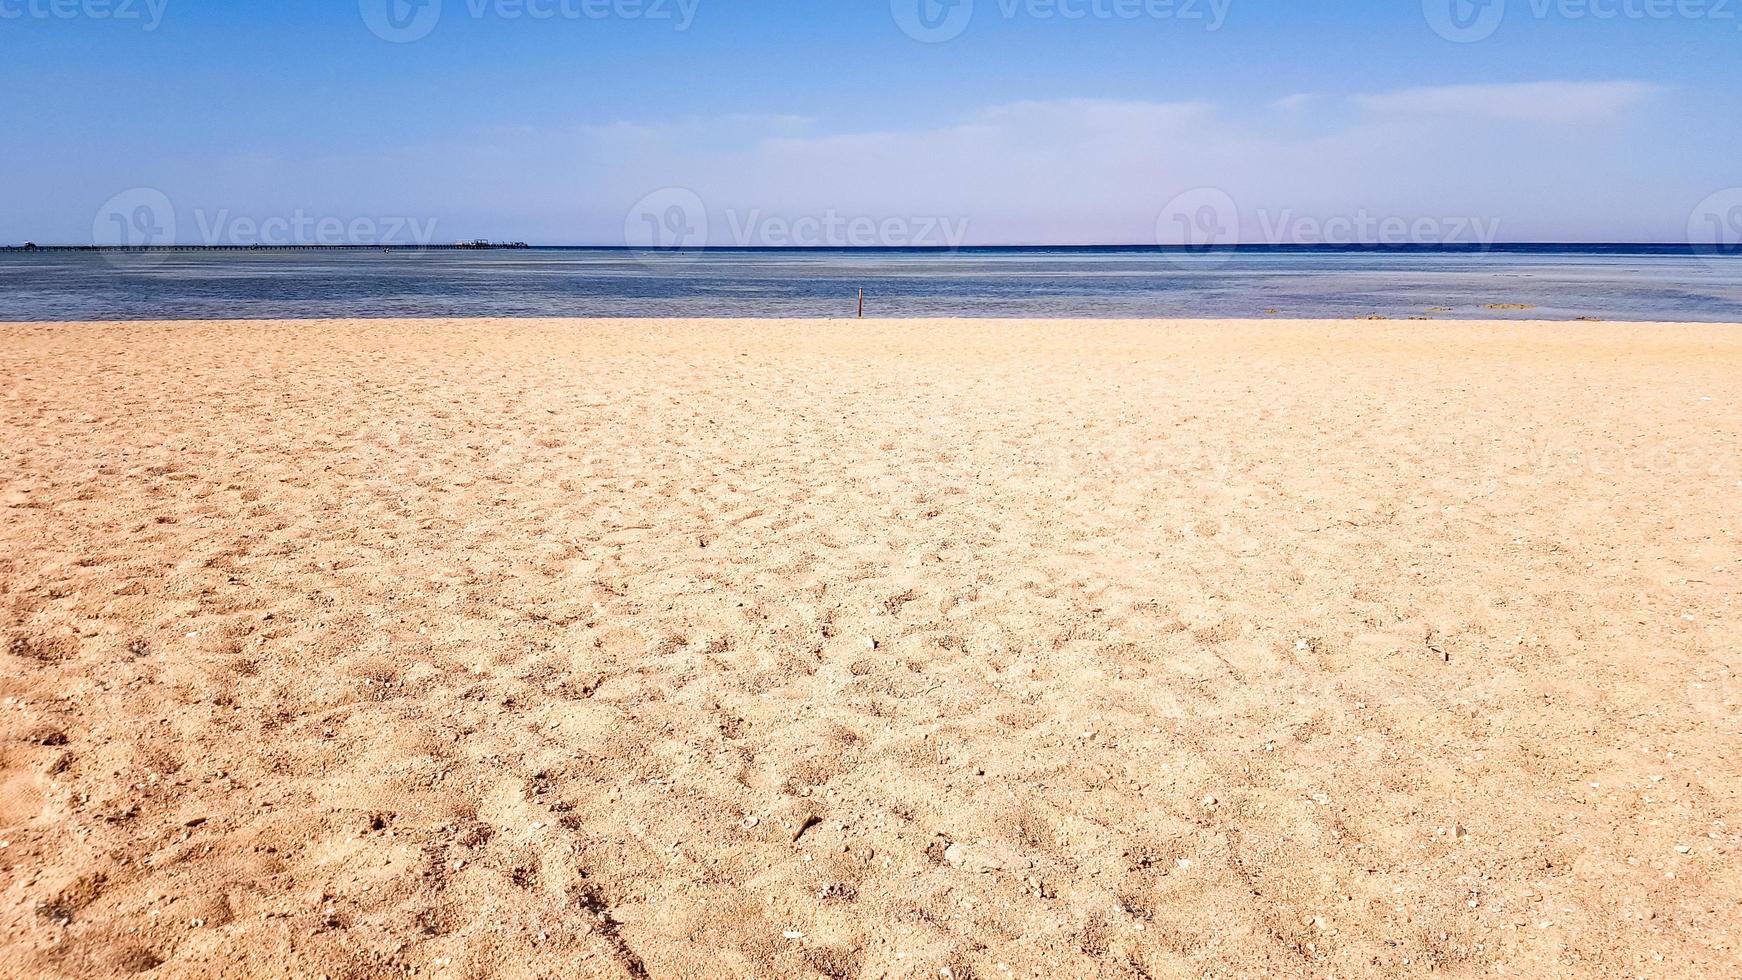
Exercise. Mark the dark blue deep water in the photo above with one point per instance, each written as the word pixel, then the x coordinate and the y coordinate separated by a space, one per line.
pixel 1556 282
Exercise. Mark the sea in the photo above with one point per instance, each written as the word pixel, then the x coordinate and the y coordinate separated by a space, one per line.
pixel 1558 282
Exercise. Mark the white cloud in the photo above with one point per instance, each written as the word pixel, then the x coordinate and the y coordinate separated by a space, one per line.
pixel 1539 102
pixel 1061 171
pixel 1070 171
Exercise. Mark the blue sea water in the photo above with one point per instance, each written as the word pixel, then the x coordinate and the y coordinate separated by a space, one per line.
pixel 1661 283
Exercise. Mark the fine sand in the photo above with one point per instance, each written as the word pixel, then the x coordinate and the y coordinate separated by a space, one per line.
pixel 870 649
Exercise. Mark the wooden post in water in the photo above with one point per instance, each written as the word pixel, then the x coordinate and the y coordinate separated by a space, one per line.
pixel 861 304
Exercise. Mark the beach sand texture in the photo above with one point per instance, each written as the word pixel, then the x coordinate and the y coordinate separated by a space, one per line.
pixel 869 649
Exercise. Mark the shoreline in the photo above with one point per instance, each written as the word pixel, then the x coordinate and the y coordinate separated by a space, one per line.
pixel 1205 321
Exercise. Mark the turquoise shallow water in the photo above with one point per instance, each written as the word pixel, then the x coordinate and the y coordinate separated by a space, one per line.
pixel 1558 282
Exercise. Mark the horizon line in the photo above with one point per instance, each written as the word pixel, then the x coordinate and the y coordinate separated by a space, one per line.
pixel 1691 248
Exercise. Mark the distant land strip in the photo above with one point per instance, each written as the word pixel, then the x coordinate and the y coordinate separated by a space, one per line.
pixel 1726 250
pixel 460 246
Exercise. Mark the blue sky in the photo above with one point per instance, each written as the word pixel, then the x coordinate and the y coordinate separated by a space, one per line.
pixel 765 121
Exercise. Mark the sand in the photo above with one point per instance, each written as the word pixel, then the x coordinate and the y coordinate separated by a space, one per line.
pixel 869 649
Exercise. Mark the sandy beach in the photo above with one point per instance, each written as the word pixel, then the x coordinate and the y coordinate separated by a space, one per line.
pixel 910 649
